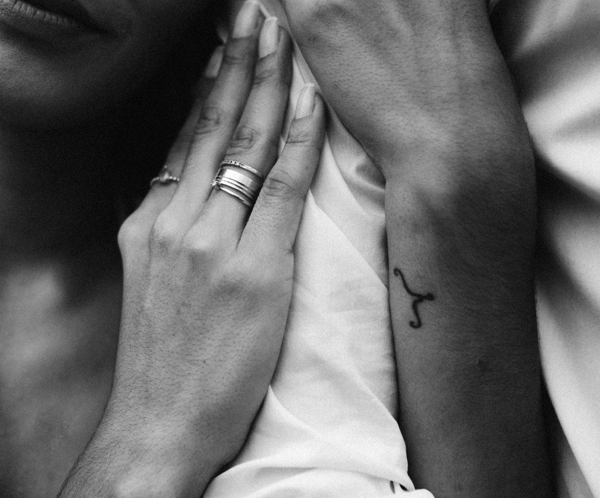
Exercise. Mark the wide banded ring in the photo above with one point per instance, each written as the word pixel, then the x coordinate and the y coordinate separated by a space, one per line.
pixel 239 180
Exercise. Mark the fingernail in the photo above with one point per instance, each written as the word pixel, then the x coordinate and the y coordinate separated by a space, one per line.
pixel 214 64
pixel 247 19
pixel 306 101
pixel 269 37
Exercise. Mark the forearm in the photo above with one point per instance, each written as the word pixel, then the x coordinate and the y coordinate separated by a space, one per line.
pixel 463 310
pixel 142 462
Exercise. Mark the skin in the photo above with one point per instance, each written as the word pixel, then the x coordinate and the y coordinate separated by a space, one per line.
pixel 56 83
pixel 424 88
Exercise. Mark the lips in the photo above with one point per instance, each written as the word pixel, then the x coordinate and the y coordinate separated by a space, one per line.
pixel 66 12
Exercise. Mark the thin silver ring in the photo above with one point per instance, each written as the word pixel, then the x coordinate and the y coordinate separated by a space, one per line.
pixel 238 164
pixel 240 187
pixel 239 197
pixel 164 177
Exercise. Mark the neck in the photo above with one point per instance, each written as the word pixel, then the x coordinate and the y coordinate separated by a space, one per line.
pixel 54 189
pixel 64 194
pixel 57 205
pixel 61 192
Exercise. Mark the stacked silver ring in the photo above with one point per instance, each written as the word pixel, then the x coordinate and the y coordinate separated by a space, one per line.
pixel 239 180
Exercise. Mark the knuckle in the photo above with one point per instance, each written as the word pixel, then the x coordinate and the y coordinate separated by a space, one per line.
pixel 251 280
pixel 280 185
pixel 198 246
pixel 234 280
pixel 238 54
pixel 164 235
pixel 267 72
pixel 211 119
pixel 131 235
pixel 246 138
pixel 302 134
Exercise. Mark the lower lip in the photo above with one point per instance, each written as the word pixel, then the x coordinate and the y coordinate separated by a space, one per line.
pixel 32 21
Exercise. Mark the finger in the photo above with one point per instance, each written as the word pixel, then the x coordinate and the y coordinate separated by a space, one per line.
pixel 256 139
pixel 218 118
pixel 274 221
pixel 211 72
pixel 159 195
pixel 180 149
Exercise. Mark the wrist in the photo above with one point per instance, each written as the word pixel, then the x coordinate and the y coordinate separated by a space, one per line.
pixel 464 214
pixel 482 140
pixel 131 460
pixel 470 115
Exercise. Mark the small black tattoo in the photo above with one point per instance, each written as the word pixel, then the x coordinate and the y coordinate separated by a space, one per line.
pixel 419 298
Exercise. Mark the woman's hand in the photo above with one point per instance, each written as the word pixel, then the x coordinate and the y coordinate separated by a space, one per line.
pixel 415 80
pixel 208 282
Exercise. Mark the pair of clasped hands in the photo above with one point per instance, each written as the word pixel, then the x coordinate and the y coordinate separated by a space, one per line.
pixel 208 280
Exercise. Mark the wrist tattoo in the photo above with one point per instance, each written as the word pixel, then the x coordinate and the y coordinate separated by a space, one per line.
pixel 418 299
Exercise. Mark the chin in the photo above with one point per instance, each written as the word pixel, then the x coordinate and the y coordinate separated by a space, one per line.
pixel 64 75
pixel 41 90
pixel 59 100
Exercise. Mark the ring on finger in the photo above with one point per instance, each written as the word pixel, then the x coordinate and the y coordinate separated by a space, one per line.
pixel 240 181
pixel 164 177
pixel 245 167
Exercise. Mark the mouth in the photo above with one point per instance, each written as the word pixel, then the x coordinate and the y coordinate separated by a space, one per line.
pixel 66 14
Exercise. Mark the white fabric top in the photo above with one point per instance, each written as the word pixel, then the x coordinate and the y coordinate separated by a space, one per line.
pixel 327 427
pixel 553 49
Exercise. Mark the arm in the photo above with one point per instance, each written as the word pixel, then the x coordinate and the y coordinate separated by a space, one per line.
pixel 423 87
pixel 463 311
pixel 207 284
